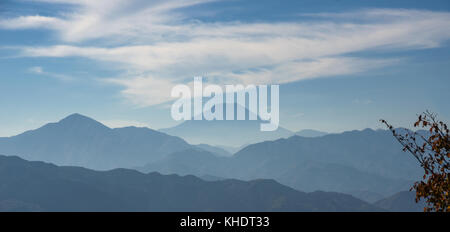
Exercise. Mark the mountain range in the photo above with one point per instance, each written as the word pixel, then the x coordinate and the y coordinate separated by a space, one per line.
pixel 310 133
pixel 368 164
pixel 231 133
pixel 39 186
pixel 81 141
pixel 403 201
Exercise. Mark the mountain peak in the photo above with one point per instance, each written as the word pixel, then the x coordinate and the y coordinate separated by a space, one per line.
pixel 75 116
pixel 79 119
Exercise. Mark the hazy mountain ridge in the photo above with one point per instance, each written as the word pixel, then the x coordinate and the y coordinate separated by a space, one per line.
pixel 401 202
pixel 229 133
pixel 373 151
pixel 367 163
pixel 357 162
pixel 214 149
pixel 82 141
pixel 39 186
pixel 232 133
pixel 310 133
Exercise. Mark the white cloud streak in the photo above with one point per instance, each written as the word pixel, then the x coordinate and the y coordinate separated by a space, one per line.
pixel 167 48
pixel 28 22
pixel 40 71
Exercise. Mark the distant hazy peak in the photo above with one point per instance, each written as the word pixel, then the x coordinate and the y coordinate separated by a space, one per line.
pixel 78 140
pixel 76 117
pixel 79 119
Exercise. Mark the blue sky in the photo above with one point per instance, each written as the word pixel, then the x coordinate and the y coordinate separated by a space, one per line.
pixel 342 65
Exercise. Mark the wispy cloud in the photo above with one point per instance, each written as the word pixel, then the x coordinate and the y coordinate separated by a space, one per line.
pixel 32 21
pixel 88 19
pixel 40 71
pixel 167 48
pixel 145 90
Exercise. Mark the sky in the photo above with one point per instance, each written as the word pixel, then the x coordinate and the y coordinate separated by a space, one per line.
pixel 341 65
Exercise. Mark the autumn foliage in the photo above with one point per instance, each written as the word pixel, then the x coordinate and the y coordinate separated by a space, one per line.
pixel 431 148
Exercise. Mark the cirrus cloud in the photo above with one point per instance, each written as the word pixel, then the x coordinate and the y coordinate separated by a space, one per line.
pixel 161 43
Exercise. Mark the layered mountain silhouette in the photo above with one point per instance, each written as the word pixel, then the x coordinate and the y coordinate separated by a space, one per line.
pixel 369 164
pixel 403 201
pixel 234 133
pixel 38 186
pixel 81 141
pixel 214 149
